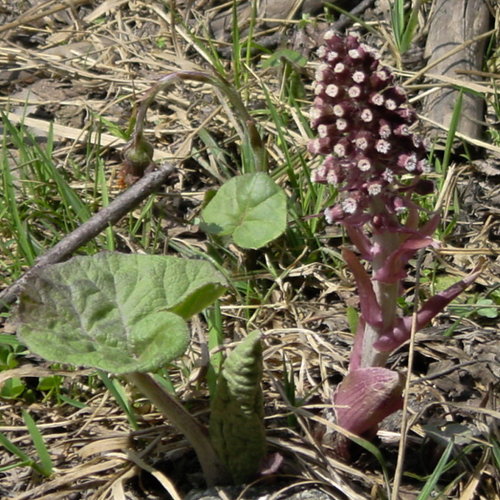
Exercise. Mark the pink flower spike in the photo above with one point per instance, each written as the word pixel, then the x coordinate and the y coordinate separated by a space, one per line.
pixel 374 158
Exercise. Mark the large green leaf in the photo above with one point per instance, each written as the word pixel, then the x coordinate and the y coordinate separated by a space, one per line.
pixel 251 208
pixel 117 312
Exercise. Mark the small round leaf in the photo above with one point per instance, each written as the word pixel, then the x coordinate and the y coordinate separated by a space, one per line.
pixel 251 208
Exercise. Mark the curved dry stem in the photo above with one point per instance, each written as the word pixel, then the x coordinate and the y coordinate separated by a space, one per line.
pixel 250 135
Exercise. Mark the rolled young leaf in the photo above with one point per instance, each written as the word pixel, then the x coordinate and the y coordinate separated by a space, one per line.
pixel 237 417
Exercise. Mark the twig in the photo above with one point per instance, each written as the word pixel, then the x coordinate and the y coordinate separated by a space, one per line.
pixel 448 54
pixel 449 370
pixel 91 228
pixel 345 19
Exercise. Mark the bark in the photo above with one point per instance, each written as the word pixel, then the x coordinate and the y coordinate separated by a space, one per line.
pixel 452 23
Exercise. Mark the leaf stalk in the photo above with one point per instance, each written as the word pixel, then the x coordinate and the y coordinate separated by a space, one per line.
pixel 213 469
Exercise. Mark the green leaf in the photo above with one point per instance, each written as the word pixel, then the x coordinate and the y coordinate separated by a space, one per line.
pixel 237 418
pixel 251 208
pixel 116 312
pixel 12 388
pixel 488 308
pixel 442 434
pixel 49 383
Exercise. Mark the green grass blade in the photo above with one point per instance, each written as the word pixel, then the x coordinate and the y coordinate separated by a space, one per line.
pixel 10 340
pixel 281 130
pixel 118 392
pixel 409 30
pixel 290 390
pixel 213 317
pixel 220 169
pixel 45 465
pixel 455 118
pixel 10 204
pixel 72 402
pixel 165 381
pixel 249 41
pixel 43 169
pixel 371 448
pixel 140 226
pixel 236 46
pixel 103 185
pixel 26 460
pixel 70 199
pixel 429 486
pixel 398 21
pixel 496 453
pixel 15 450
pixel 112 127
pixel 354 18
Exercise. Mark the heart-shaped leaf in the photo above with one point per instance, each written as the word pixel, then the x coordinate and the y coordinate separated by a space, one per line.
pixel 251 208
pixel 117 312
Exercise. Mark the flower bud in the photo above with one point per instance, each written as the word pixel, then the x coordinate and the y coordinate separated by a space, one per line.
pixel 363 122
pixel 139 154
pixel 137 157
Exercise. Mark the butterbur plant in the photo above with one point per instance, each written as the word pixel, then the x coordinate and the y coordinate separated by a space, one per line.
pixel 375 160
pixel 126 314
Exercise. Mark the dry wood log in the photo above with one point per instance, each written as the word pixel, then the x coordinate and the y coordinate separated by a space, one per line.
pixel 452 23
pixel 268 15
